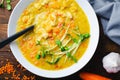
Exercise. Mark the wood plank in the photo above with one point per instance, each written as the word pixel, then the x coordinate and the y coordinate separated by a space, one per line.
pixel 3 35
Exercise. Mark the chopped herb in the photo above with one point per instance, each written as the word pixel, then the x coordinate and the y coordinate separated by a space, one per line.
pixel 75 40
pixel 84 36
pixel 59 43
pixel 62 49
pixel 87 35
pixel 71 57
pixel 66 48
pixel 54 62
pixel 37 42
pixel 68 54
pixel 43 52
pixel 38 56
pixel 74 59
pixel 43 55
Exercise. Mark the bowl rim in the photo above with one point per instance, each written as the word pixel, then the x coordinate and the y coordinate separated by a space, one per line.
pixel 94 31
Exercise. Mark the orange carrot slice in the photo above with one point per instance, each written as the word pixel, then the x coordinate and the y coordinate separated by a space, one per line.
pixel 91 76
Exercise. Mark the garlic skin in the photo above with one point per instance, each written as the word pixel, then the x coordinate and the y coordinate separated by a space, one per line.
pixel 111 62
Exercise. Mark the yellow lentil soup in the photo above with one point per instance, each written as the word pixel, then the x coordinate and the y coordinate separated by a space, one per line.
pixel 60 36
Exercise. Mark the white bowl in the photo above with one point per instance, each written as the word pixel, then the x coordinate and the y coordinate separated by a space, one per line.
pixel 94 32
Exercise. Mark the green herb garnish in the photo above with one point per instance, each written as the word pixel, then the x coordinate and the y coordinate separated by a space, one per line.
pixel 59 43
pixel 73 39
pixel 38 56
pixel 68 54
pixel 43 54
pixel 84 36
pixel 37 42
pixel 63 48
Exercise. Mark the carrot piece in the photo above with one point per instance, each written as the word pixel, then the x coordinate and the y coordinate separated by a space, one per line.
pixel 91 76
pixel 56 30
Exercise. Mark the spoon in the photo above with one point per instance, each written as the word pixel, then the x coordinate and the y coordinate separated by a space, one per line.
pixel 15 36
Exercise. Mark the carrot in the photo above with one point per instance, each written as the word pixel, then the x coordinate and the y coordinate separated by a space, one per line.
pixel 56 30
pixel 91 76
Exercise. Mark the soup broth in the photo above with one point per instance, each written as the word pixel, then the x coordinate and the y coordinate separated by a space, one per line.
pixel 60 36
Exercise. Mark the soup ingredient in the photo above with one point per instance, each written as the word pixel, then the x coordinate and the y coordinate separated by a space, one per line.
pixel 71 57
pixel 111 62
pixel 63 48
pixel 38 56
pixel 72 48
pixel 91 76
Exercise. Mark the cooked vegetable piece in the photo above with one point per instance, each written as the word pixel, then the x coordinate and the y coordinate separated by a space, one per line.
pixel 62 48
pixel 75 40
pixel 66 48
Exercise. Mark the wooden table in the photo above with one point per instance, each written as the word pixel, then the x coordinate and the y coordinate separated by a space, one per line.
pixel 94 66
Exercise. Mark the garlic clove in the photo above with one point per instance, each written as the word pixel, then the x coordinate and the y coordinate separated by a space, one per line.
pixel 111 62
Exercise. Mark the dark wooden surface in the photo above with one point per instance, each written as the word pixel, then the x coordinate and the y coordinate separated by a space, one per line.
pixel 94 66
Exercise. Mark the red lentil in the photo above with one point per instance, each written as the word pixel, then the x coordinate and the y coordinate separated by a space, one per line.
pixel 10 70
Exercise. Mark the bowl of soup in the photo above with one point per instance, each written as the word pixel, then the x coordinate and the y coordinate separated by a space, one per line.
pixel 64 38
